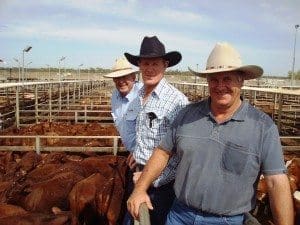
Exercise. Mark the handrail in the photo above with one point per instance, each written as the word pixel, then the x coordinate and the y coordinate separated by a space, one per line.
pixel 143 215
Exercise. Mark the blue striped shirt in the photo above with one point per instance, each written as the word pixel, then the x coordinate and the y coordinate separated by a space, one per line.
pixel 124 112
pixel 153 120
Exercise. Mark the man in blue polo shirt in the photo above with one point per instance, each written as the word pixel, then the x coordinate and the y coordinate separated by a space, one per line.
pixel 224 145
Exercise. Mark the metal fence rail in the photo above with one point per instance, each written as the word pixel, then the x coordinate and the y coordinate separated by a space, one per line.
pixel 39 147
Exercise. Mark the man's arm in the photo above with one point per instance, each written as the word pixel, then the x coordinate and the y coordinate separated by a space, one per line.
pixel 280 199
pixel 152 170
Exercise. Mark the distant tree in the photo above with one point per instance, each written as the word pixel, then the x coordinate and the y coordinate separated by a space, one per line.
pixel 297 75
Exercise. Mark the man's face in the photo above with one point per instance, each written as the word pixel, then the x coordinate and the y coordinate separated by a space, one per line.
pixel 225 88
pixel 152 70
pixel 124 84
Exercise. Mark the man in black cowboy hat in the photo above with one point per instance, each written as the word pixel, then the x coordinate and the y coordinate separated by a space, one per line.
pixel 224 145
pixel 159 103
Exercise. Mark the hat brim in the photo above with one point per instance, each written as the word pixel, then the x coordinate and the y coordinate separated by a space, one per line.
pixel 120 73
pixel 173 58
pixel 249 71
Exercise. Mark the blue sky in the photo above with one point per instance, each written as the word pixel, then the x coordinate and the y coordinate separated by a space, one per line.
pixel 95 32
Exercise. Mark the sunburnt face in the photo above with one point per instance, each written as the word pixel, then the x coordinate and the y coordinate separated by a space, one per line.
pixel 124 84
pixel 152 70
pixel 225 89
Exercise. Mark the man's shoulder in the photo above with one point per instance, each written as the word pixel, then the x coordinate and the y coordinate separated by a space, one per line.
pixel 195 106
pixel 257 113
pixel 194 109
pixel 178 95
pixel 138 85
pixel 115 94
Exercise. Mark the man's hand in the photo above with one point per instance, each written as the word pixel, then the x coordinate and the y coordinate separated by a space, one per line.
pixel 134 202
pixel 131 161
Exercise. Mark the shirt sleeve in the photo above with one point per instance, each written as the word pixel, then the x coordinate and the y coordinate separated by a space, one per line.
pixel 272 155
pixel 114 102
pixel 179 106
pixel 168 142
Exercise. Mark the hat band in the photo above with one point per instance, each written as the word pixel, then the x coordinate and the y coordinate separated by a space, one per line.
pixel 220 67
pixel 127 68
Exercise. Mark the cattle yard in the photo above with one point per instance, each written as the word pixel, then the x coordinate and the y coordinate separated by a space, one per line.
pixel 58 135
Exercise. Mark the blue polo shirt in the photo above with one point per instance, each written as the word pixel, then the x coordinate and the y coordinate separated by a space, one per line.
pixel 124 112
pixel 220 164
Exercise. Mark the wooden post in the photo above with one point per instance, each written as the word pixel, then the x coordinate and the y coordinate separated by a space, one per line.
pixel 68 95
pixel 50 103
pixel 74 93
pixel 38 145
pixel 17 113
pixel 59 99
pixel 144 215
pixel 85 114
pixel 76 117
pixel 280 102
pixel 115 146
pixel 36 106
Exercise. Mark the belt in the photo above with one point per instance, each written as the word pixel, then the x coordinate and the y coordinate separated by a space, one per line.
pixel 202 212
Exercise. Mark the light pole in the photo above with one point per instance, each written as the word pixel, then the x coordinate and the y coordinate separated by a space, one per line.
pixel 1 61
pixel 61 59
pixel 79 70
pixel 49 71
pixel 195 75
pixel 19 68
pixel 27 49
pixel 293 66
pixel 26 77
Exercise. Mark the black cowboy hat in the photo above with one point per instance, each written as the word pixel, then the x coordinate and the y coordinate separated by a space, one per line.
pixel 151 47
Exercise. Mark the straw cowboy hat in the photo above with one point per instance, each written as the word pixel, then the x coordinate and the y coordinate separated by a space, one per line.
pixel 151 47
pixel 224 58
pixel 121 68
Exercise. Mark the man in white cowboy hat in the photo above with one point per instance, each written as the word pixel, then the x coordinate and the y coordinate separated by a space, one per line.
pixel 224 144
pixel 160 102
pixel 124 111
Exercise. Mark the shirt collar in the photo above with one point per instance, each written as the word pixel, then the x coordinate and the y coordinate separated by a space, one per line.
pixel 158 91
pixel 131 95
pixel 239 115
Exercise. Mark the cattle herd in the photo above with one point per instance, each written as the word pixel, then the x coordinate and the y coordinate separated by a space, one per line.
pixel 60 188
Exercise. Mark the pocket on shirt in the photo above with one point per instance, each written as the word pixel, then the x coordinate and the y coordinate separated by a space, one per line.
pixel 130 118
pixel 235 158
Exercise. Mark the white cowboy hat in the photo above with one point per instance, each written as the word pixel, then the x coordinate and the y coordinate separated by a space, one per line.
pixel 121 68
pixel 224 58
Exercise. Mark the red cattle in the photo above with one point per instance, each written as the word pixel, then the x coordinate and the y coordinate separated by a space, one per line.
pixel 37 219
pixel 103 191
pixel 92 194
pixel 10 210
pixel 29 161
pixel 53 192
pixel 4 189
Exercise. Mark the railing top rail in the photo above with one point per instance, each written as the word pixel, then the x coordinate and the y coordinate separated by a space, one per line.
pixel 269 90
